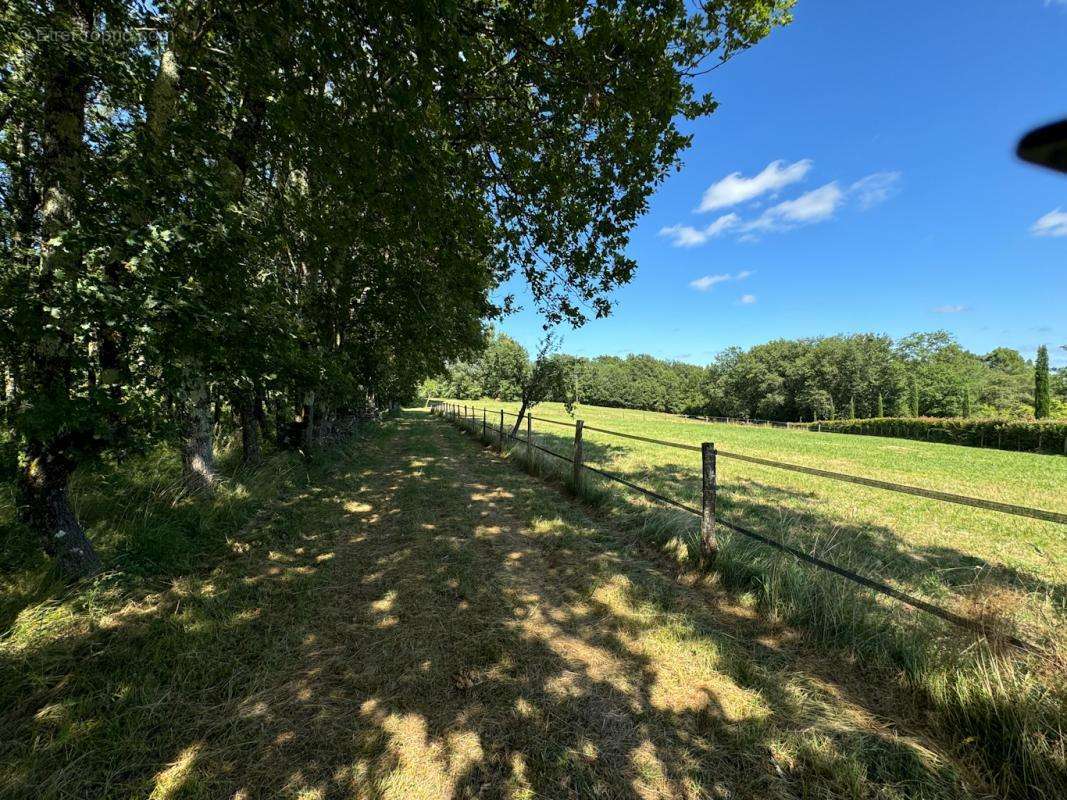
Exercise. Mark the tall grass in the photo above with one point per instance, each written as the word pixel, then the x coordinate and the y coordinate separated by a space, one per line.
pixel 146 526
pixel 1004 711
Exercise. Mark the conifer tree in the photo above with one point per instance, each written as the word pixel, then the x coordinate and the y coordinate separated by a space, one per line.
pixel 1042 400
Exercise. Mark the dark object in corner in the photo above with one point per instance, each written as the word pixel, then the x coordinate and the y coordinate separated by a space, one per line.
pixel 1046 146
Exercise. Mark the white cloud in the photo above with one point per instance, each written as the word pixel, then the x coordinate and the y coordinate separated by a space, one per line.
pixel 876 188
pixel 709 281
pixel 722 224
pixel 684 235
pixel 814 206
pixel 736 188
pixel 688 236
pixel 747 299
pixel 817 205
pixel 948 309
pixel 1054 223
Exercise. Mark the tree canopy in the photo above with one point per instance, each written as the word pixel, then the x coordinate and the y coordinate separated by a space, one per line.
pixel 309 204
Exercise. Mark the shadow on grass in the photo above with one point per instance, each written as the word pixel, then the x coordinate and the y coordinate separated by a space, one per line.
pixel 398 632
pixel 1002 708
pixel 796 516
pixel 142 522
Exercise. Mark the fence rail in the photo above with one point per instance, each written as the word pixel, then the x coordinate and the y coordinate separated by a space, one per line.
pixel 709 520
pixel 759 423
pixel 874 483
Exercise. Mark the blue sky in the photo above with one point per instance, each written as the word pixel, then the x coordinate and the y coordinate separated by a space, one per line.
pixel 870 185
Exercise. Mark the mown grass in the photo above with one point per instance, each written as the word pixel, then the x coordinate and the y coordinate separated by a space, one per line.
pixel 1011 570
pixel 1010 708
pixel 410 619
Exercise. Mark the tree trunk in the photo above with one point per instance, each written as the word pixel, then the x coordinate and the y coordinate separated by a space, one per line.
pixel 245 405
pixel 44 505
pixel 281 424
pixel 309 422
pixel 260 411
pixel 518 419
pixel 47 457
pixel 198 440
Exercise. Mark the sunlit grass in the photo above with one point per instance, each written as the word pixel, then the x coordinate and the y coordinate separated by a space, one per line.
pixel 984 563
pixel 1007 706
pixel 413 619
pixel 144 524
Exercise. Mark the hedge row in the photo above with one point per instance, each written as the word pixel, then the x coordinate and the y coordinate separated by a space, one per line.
pixel 1049 436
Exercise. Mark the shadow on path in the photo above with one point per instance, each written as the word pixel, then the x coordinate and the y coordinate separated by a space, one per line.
pixel 428 624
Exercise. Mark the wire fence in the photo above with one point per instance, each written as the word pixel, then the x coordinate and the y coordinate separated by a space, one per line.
pixel 759 423
pixel 918 491
pixel 467 414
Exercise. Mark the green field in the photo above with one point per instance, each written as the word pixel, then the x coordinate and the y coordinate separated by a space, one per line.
pixel 979 562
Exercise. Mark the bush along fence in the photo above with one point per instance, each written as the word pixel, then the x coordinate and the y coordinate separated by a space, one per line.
pixel 494 428
pixel 1001 434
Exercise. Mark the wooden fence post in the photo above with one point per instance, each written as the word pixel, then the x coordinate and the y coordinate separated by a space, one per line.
pixel 577 474
pixel 501 431
pixel 484 426
pixel 708 542
pixel 529 440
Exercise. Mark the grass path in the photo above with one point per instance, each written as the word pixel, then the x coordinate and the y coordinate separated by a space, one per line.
pixel 429 622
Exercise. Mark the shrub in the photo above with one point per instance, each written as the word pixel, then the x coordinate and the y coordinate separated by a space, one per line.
pixel 1043 436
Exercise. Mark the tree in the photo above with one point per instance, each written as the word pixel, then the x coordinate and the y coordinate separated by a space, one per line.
pixel 1058 382
pixel 818 402
pixel 308 207
pixel 551 375
pixel 1042 400
pixel 502 368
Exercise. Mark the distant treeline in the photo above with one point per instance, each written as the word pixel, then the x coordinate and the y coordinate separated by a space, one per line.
pixel 835 377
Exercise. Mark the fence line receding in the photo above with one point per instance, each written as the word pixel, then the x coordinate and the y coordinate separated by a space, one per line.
pixel 709 520
pixel 874 483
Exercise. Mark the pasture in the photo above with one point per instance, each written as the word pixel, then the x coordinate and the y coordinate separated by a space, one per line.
pixel 979 562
